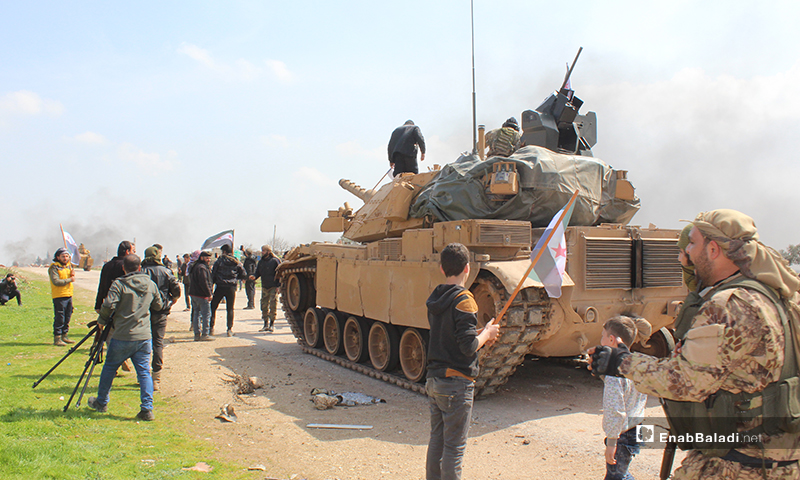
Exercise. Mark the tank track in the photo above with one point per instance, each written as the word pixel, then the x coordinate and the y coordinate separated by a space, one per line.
pixel 525 319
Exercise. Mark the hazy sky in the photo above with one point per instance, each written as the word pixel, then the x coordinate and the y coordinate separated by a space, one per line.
pixel 171 121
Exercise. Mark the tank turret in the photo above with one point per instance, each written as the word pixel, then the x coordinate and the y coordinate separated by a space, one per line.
pixel 556 125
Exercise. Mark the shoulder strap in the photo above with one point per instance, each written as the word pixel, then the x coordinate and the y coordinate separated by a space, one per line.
pixel 789 357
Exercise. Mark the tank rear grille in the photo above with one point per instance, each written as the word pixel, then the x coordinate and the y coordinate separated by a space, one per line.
pixel 608 263
pixel 390 249
pixel 660 267
pixel 506 235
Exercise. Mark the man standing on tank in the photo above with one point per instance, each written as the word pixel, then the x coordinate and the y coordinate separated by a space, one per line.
pixel 226 273
pixel 403 146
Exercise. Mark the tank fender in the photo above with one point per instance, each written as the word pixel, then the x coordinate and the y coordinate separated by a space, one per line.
pixel 510 272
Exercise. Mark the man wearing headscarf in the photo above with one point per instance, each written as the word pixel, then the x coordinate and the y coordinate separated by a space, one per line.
pixel 170 291
pixel 732 360
pixel 62 276
pixel 505 140
pixel 404 144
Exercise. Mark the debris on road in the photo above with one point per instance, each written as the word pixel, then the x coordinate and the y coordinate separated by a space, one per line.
pixel 227 413
pixel 339 426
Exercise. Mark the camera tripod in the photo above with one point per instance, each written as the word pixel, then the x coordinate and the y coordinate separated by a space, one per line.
pixel 95 357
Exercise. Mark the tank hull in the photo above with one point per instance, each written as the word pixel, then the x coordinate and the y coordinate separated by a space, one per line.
pixel 387 282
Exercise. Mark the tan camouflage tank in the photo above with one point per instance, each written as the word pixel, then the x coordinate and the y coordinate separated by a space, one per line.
pixel 360 302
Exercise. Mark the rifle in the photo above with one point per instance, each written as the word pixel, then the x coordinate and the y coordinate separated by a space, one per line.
pixel 666 460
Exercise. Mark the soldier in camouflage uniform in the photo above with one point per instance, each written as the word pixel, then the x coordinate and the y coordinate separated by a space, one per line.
pixel 505 140
pixel 735 343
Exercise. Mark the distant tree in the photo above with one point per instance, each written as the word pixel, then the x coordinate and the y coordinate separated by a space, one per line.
pixel 792 254
pixel 281 246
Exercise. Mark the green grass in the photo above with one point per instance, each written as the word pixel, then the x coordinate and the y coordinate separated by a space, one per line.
pixel 39 440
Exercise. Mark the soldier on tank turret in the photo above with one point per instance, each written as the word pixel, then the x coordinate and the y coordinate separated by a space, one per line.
pixel 504 141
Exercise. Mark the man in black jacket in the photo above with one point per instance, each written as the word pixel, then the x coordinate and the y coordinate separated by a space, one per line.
pixel 111 271
pixel 170 291
pixel 269 287
pixel 250 285
pixel 200 293
pixel 225 274
pixel 8 290
pixel 403 148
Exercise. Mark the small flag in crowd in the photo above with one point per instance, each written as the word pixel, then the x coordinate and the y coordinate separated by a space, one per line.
pixel 218 240
pixel 549 270
pixel 72 247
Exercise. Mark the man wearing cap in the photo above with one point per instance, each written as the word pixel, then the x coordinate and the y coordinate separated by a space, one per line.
pixel 200 292
pixel 732 360
pixel 504 141
pixel 406 140
pixel 62 276
pixel 170 291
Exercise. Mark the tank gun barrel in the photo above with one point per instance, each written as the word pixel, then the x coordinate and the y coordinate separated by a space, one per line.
pixel 569 72
pixel 356 190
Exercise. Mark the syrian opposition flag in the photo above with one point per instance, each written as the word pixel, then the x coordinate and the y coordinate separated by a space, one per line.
pixel 218 240
pixel 70 245
pixel 549 269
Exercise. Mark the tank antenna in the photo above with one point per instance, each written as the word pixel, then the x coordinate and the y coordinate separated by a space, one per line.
pixel 474 119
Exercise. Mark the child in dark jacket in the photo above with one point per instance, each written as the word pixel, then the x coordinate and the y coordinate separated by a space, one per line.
pixel 452 363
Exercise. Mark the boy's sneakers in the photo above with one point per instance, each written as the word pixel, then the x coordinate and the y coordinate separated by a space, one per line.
pixel 96 406
pixel 146 415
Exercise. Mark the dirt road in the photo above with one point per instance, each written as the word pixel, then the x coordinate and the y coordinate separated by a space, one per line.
pixel 544 424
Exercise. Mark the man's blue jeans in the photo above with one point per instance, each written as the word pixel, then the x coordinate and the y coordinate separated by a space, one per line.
pixel 201 315
pixel 450 401
pixel 62 308
pixel 118 351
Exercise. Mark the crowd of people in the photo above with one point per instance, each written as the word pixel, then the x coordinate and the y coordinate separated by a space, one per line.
pixel 134 299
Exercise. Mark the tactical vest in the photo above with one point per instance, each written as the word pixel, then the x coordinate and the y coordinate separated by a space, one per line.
pixel 504 142
pixel 723 412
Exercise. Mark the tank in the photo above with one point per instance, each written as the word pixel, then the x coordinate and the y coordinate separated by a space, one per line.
pixel 360 302
pixel 86 260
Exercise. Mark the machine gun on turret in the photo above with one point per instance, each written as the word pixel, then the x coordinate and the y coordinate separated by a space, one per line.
pixel 556 125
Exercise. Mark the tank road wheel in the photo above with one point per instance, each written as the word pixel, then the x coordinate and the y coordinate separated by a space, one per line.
pixel 296 292
pixel 488 297
pixel 312 327
pixel 413 354
pixel 332 328
pixel 356 337
pixel 659 345
pixel 383 346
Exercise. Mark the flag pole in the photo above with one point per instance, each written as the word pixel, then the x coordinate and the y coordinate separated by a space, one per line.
pixel 63 237
pixel 536 259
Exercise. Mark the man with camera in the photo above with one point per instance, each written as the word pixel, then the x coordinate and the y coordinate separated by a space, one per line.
pixel 8 290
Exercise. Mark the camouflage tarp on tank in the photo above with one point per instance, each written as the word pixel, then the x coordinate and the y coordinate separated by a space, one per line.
pixel 546 181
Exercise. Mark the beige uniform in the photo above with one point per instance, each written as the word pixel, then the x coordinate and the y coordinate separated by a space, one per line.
pixel 735 343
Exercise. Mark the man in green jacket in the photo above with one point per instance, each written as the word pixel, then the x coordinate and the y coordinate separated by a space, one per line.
pixel 128 305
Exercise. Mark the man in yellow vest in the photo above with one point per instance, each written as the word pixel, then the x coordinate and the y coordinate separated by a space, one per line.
pixel 62 276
